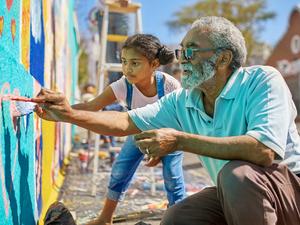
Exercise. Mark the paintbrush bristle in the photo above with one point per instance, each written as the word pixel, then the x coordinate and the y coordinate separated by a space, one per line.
pixel 24 108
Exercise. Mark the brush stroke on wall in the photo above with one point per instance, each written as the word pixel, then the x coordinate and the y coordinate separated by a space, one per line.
pixel 36 50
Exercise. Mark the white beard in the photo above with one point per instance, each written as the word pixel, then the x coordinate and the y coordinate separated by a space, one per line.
pixel 197 74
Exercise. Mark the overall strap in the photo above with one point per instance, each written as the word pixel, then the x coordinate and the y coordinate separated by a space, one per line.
pixel 159 84
pixel 159 87
pixel 129 94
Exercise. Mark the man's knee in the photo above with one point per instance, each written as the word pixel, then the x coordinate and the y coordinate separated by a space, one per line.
pixel 169 215
pixel 235 175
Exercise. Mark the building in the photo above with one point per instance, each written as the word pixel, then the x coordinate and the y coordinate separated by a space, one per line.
pixel 286 56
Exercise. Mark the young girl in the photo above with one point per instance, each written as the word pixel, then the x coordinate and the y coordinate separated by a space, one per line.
pixel 141 84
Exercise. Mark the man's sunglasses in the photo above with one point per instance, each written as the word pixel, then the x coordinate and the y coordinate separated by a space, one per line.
pixel 188 53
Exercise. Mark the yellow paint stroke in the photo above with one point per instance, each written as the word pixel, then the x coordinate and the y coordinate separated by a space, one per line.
pixel 47 158
pixel 1 25
pixel 25 34
pixel 13 29
pixel 50 188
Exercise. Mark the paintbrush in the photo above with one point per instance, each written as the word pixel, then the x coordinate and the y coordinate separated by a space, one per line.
pixel 22 105
pixel 25 99
pixel 24 108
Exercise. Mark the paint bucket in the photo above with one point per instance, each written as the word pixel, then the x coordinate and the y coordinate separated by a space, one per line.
pixel 83 156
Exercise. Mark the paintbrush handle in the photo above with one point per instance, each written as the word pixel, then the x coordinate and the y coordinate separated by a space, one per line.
pixel 25 99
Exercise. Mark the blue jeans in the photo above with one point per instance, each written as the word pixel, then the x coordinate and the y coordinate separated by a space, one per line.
pixel 127 163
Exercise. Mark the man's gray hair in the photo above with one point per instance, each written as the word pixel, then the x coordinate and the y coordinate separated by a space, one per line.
pixel 223 34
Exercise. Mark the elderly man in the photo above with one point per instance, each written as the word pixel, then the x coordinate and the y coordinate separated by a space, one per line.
pixel 239 120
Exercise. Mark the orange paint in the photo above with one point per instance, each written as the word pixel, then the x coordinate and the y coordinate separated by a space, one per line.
pixel 25 34
pixel 9 4
pixel 1 25
pixel 13 29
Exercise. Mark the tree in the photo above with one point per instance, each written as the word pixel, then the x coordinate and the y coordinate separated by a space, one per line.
pixel 247 15
pixel 83 66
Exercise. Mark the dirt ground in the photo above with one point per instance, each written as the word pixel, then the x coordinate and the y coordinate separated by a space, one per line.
pixel 142 202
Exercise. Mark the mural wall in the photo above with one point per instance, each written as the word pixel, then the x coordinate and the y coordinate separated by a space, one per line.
pixel 38 48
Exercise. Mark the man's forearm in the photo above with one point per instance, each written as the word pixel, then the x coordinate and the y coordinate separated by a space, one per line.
pixel 104 122
pixel 228 148
pixel 80 106
pixel 88 106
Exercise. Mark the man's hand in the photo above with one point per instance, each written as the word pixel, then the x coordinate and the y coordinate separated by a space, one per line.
pixel 55 106
pixel 157 143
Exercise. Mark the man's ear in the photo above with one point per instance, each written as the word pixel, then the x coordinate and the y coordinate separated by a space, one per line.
pixel 225 59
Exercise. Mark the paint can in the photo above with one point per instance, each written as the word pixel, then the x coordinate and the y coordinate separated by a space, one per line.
pixel 83 158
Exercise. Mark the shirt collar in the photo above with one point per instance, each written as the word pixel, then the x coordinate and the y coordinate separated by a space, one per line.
pixel 194 99
pixel 232 86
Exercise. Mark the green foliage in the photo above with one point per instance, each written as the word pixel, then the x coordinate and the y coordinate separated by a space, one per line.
pixel 83 69
pixel 247 15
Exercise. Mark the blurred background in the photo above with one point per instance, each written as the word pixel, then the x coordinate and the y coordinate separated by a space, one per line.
pixel 264 24
pixel 73 46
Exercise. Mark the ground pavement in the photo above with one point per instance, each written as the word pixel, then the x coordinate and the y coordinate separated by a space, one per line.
pixel 140 204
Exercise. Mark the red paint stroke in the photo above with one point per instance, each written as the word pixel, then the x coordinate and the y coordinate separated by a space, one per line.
pixel 9 4
pixel 1 25
pixel 13 29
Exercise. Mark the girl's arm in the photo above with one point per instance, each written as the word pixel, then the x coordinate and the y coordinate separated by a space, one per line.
pixel 107 97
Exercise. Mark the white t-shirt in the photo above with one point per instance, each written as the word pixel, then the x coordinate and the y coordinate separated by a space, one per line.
pixel 138 99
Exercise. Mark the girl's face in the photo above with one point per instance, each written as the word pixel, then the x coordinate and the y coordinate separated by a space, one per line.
pixel 137 67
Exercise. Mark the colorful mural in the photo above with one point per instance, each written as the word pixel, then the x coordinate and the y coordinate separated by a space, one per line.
pixel 36 50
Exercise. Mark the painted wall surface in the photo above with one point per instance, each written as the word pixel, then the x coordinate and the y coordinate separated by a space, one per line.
pixel 38 47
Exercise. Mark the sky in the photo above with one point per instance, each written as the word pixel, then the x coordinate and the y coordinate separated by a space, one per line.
pixel 156 13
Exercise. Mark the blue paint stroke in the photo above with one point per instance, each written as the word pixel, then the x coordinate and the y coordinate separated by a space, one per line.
pixel 37 44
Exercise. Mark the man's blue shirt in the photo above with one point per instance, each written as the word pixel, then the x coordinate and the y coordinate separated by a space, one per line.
pixel 255 101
